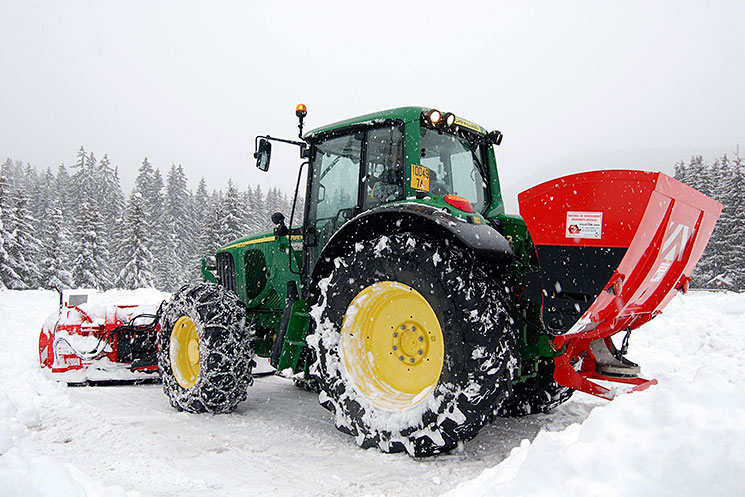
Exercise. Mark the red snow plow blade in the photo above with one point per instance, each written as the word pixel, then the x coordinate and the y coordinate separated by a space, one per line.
pixel 613 248
pixel 82 342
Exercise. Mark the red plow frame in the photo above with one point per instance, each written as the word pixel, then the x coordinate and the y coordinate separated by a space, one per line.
pixel 657 224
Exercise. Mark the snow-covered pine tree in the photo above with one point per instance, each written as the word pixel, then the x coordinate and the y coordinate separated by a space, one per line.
pixel 200 200
pixel 23 247
pixel 733 227
pixel 154 209
pixel 31 184
pixel 137 272
pixel 109 193
pixel 83 182
pixel 149 184
pixel 13 172
pixel 8 276
pixel 210 233
pixel 232 221
pixel 145 186
pixel 198 205
pixel 154 201
pixel 270 202
pixel 246 210
pixel 716 250
pixel 66 193
pixel 47 196
pixel 176 240
pixel 109 200
pixel 55 249
pixel 701 178
pixel 6 169
pixel 258 217
pixel 89 262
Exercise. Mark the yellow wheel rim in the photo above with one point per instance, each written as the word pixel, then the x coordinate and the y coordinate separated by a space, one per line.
pixel 184 352
pixel 392 345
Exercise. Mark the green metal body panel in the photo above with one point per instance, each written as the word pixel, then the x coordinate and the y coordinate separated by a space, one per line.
pixel 262 271
pixel 262 268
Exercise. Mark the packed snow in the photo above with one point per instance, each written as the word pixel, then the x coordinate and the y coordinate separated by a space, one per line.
pixel 684 436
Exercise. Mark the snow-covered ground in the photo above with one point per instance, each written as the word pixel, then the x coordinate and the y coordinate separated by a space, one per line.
pixel 685 436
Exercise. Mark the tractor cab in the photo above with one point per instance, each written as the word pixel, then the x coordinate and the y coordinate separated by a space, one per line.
pixel 404 155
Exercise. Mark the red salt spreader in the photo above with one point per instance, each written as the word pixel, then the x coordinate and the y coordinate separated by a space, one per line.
pixel 614 247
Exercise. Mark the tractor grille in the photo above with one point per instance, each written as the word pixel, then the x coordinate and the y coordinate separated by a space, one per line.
pixel 226 270
pixel 255 265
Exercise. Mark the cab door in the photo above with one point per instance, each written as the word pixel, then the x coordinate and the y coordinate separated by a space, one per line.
pixel 334 189
pixel 345 170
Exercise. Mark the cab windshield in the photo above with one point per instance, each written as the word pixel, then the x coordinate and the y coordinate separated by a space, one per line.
pixel 456 166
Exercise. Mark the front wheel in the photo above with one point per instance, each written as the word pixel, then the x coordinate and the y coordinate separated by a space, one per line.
pixel 414 345
pixel 205 349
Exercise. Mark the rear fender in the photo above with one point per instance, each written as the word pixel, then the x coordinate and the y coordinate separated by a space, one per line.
pixel 417 219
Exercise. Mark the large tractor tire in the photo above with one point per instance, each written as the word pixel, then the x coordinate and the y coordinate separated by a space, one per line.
pixel 414 346
pixel 539 394
pixel 205 349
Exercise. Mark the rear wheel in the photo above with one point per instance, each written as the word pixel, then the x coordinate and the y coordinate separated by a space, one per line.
pixel 205 349
pixel 539 394
pixel 414 345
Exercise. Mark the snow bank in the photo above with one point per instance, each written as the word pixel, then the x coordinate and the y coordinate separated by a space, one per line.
pixel 27 475
pixel 26 396
pixel 685 436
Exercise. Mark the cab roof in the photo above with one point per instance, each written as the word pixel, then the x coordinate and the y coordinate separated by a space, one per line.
pixel 404 114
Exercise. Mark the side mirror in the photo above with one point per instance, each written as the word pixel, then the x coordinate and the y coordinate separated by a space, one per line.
pixel 263 155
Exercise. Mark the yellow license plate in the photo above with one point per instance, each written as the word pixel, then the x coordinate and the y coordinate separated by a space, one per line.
pixel 420 177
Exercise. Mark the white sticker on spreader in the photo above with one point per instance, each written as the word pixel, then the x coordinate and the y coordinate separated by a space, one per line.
pixel 584 225
pixel 661 271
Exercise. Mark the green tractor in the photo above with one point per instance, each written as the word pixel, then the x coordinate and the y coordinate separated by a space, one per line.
pixel 409 299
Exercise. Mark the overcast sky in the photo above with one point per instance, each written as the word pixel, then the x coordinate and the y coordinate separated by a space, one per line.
pixel 572 85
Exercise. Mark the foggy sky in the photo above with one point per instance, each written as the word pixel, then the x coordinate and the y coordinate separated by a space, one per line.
pixel 572 85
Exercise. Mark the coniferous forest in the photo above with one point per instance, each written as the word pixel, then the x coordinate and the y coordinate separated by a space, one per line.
pixel 76 229
pixel 723 262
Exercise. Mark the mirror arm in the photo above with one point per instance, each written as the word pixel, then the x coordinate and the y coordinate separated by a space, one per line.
pixel 304 150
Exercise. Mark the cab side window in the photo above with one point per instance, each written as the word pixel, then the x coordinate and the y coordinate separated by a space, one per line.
pixel 384 166
pixel 336 176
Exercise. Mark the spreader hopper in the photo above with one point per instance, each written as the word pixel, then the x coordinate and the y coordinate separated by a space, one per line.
pixel 613 247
